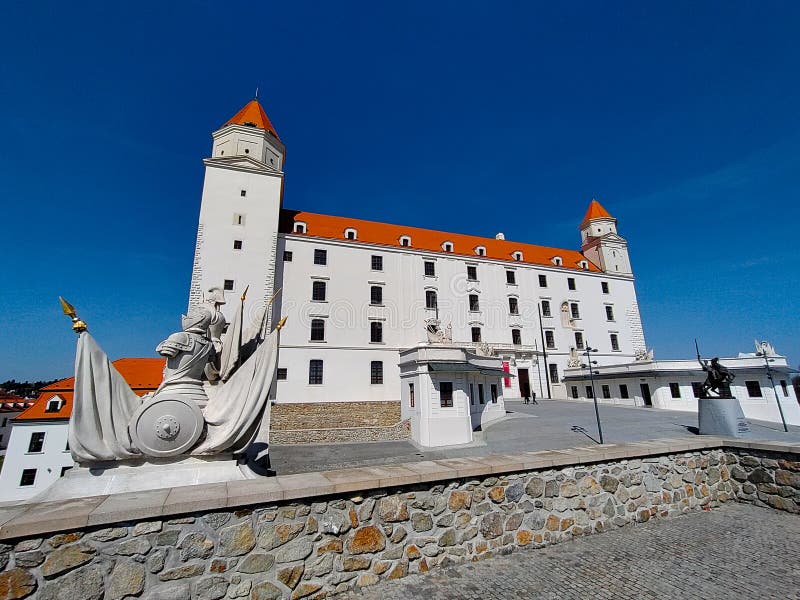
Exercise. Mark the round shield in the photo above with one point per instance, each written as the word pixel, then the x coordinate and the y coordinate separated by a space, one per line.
pixel 166 426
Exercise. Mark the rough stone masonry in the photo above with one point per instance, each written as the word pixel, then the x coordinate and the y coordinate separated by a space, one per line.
pixel 313 549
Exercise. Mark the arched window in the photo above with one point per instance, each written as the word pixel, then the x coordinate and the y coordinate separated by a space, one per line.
pixel 517 255
pixel 447 246
pixel 351 234
pixel 405 240
pixel 480 250
pixel 299 227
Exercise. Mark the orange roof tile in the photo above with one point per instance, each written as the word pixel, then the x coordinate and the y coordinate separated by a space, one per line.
pixel 253 115
pixel 330 227
pixel 142 374
pixel 13 403
pixel 596 211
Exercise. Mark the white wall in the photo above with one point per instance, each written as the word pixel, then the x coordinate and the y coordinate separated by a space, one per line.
pixel 48 463
pixel 347 350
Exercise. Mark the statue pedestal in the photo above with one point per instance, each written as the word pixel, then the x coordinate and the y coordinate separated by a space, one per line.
pixel 139 475
pixel 723 417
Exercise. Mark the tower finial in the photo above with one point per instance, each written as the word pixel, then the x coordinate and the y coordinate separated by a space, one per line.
pixel 256 93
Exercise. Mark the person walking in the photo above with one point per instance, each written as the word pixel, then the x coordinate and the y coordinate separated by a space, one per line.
pixel 527 397
pixel 534 398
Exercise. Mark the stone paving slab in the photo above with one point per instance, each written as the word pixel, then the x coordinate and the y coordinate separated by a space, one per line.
pixel 737 551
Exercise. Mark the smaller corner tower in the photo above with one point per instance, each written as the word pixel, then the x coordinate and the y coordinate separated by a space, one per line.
pixel 601 243
pixel 240 208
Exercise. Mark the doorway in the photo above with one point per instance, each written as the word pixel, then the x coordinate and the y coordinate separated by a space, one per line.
pixel 648 399
pixel 524 383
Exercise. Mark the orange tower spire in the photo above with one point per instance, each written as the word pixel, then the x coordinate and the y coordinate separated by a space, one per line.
pixel 253 115
pixel 596 211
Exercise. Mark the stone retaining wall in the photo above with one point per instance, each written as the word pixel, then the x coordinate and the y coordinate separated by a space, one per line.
pixel 325 422
pixel 398 431
pixel 314 547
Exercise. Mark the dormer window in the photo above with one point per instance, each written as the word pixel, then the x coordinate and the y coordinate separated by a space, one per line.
pixel 53 405
pixel 517 255
pixel 447 246
pixel 556 260
pixel 480 250
pixel 350 234
pixel 405 241
pixel 299 227
pixel 584 265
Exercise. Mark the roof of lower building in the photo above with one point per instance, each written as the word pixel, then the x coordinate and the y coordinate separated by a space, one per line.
pixel 12 403
pixel 142 374
pixel 252 114
pixel 372 232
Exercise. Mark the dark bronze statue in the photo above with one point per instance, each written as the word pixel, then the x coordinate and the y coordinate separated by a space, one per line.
pixel 718 378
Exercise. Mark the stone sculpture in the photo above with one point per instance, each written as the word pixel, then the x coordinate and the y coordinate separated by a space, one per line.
pixel 574 360
pixel 437 335
pixel 111 423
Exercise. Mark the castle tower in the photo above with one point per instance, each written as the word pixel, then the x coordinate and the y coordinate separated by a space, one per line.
pixel 601 243
pixel 239 211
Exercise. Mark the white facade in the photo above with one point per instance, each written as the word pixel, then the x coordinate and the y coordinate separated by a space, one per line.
pixel 673 385
pixel 489 289
pixel 37 456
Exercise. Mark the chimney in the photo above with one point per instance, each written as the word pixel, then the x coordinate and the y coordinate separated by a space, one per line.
pixel 500 236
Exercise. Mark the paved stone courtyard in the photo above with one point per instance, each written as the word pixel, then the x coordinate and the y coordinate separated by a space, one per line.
pixel 544 426
pixel 735 551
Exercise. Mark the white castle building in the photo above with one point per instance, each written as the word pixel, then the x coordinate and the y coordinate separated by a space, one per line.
pixel 358 293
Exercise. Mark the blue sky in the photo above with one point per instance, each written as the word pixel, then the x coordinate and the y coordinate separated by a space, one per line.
pixel 681 118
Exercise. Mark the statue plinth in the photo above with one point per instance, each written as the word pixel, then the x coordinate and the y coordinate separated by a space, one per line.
pixel 723 417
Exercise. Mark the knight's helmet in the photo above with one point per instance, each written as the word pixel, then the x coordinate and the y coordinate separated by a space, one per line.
pixel 196 320
pixel 215 295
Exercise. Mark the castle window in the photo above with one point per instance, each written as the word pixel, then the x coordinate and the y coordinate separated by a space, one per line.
pixel 511 278
pixel 516 337
pixel 584 265
pixel 376 372
pixel 589 392
pixel 411 395
pixel 571 283
pixel 579 340
pixel 37 442
pixel 542 280
pixel 675 390
pixel 299 227
pixel 317 330
pixel 53 406
pixel 480 251
pixel 376 332
pixel 318 291
pixel 476 334
pixel 623 391
pixel 237 244
pixel 513 306
pixel 549 339
pixel 553 373
pixel 474 305
pixel 604 286
pixel 480 394
pixel 243 193
pixel 28 477
pixel 315 372
pixel 376 295
pixel 606 392
pixel 614 341
pixel 574 310
pixel 405 241
pixel 282 373
pixel 447 246
pixel 517 255
pixel 574 389
pixel 784 388
pixel 556 260
pixel 377 263
pixel 472 273
pixel 238 219
pixel 446 394
pixel 228 285
pixel 430 300
pixel 430 269
pixel 287 256
pixel 609 313
pixel 753 389
pixel 493 392
pixel 320 257
pixel 546 308
pixel 351 234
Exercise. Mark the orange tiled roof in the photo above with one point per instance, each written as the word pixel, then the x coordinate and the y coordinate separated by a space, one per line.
pixel 12 403
pixel 142 374
pixel 330 227
pixel 253 114
pixel 596 211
